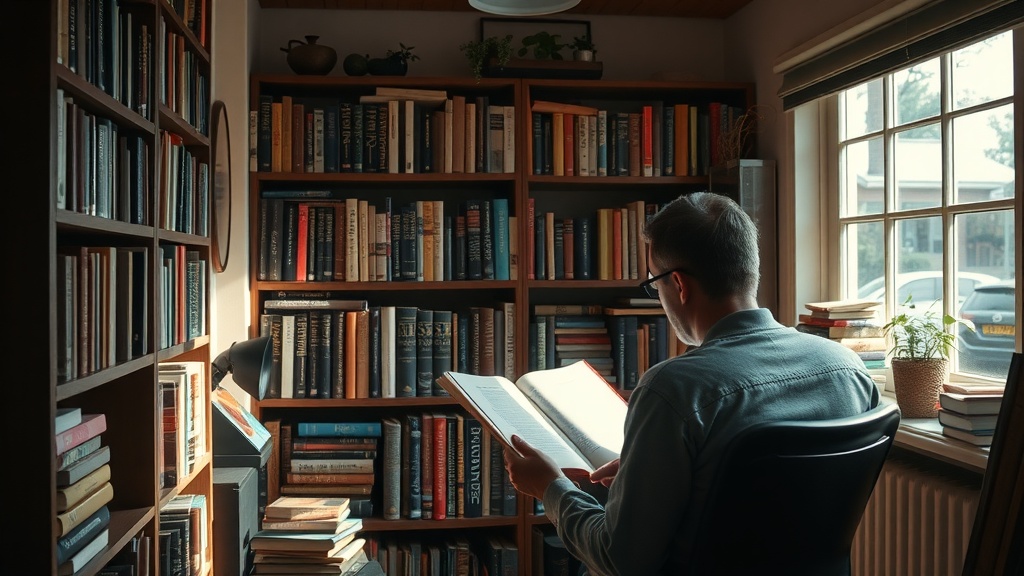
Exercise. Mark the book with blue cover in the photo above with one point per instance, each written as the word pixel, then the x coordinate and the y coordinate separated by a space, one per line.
pixel 339 429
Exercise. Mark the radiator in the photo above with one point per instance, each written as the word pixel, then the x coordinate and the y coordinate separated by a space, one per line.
pixel 917 522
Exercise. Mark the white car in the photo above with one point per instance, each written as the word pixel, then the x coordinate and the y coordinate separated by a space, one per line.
pixel 925 287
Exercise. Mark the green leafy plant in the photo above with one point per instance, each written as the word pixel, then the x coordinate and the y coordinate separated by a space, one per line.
pixel 581 43
pixel 920 336
pixel 479 51
pixel 404 54
pixel 545 46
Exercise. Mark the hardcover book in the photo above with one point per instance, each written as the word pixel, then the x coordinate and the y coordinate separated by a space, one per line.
pixel 543 408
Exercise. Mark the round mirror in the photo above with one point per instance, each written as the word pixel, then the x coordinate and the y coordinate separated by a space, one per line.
pixel 221 203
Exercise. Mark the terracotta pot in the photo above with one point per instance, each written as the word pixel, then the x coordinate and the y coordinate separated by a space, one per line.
pixel 309 57
pixel 918 384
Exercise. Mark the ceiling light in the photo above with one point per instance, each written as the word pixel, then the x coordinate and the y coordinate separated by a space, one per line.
pixel 522 7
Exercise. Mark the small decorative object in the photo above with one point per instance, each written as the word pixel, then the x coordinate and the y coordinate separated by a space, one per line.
pixel 309 57
pixel 583 48
pixel 356 64
pixel 544 46
pixel 920 359
pixel 394 63
pixel 737 141
pixel 479 52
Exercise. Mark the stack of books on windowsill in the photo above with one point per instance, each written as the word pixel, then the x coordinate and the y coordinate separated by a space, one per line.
pixel 971 416
pixel 852 323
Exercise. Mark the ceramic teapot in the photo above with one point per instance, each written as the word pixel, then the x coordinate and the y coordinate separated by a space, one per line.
pixel 309 57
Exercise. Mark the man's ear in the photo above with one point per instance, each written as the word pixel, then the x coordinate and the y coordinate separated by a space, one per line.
pixel 683 284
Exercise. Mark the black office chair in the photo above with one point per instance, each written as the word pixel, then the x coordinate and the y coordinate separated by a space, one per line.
pixel 790 495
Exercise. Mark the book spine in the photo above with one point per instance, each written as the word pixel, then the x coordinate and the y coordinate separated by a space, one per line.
pixel 341 429
pixel 75 540
pixel 92 425
pixel 474 481
pixel 391 466
pixel 405 351
pixel 424 352
pixel 427 465
pixel 440 483
pixel 412 460
pixel 441 349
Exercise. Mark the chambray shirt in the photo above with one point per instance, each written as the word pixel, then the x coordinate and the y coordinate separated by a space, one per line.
pixel 683 412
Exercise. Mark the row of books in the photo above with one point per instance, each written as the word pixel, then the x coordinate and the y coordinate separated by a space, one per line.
pixel 620 343
pixel 607 245
pixel 311 239
pixel 182 284
pixel 970 415
pixel 109 45
pixel 852 323
pixel 431 465
pixel 393 131
pixel 102 310
pixel 184 181
pixel 186 547
pixel 336 348
pixel 441 556
pixel 84 489
pixel 184 82
pixel 100 169
pixel 656 139
pixel 183 396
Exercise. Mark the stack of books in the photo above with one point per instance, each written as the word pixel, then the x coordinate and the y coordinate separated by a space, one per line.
pixel 852 323
pixel 308 535
pixel 970 413
pixel 83 488
pixel 185 543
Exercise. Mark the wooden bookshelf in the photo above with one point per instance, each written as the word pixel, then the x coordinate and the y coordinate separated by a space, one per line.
pixel 117 209
pixel 566 196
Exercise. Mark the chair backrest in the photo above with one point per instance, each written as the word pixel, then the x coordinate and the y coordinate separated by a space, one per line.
pixel 789 495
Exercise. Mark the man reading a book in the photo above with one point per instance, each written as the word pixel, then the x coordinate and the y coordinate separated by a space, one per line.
pixel 741 367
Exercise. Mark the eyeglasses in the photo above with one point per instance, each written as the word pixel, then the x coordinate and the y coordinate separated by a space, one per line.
pixel 650 288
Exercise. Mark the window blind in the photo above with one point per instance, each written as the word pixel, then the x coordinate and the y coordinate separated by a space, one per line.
pixel 913 34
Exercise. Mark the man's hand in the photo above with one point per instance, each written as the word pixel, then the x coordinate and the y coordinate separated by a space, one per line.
pixel 605 474
pixel 531 471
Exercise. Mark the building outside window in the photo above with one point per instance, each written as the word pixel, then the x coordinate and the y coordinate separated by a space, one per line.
pixel 925 169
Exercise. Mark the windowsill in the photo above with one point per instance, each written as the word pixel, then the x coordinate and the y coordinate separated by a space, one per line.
pixel 924 436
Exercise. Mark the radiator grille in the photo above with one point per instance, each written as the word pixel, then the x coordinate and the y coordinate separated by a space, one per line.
pixel 917 522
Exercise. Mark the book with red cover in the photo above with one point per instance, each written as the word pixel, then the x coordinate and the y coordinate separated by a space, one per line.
pixel 92 425
pixel 440 481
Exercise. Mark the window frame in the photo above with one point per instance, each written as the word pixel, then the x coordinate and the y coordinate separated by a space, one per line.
pixel 825 127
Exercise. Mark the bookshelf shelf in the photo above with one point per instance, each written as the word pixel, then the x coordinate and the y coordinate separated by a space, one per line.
pixel 527 193
pixel 97 261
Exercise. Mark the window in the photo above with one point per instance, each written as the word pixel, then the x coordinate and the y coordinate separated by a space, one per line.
pixel 925 177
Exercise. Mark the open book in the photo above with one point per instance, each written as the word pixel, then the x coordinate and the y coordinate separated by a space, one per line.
pixel 569 413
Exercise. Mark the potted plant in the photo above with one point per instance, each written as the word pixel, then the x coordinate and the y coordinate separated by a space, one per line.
pixel 394 63
pixel 479 52
pixel 583 48
pixel 920 359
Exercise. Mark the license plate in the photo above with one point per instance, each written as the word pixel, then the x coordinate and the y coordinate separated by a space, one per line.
pixel 998 329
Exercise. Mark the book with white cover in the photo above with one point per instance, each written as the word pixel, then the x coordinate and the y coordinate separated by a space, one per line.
pixel 544 408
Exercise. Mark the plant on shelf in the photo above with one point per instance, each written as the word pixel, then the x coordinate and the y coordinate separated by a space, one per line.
pixel 478 52
pixel 394 62
pixel 546 46
pixel 920 350
pixel 583 48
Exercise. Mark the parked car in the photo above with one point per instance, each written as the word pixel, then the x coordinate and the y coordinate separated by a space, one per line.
pixel 925 286
pixel 987 338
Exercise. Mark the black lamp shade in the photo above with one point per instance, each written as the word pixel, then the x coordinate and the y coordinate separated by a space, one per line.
pixel 249 364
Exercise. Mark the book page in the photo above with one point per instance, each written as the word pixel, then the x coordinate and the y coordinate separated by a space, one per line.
pixel 499 404
pixel 588 411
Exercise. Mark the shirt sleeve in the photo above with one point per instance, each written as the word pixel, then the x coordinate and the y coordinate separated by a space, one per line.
pixel 636 531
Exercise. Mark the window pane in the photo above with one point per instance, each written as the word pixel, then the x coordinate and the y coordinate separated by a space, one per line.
pixel 983 72
pixel 983 155
pixel 862 182
pixel 919 264
pixel 862 108
pixel 916 92
pixel 864 252
pixel 918 161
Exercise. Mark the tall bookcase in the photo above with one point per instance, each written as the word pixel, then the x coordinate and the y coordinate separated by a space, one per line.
pixel 101 180
pixel 531 188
